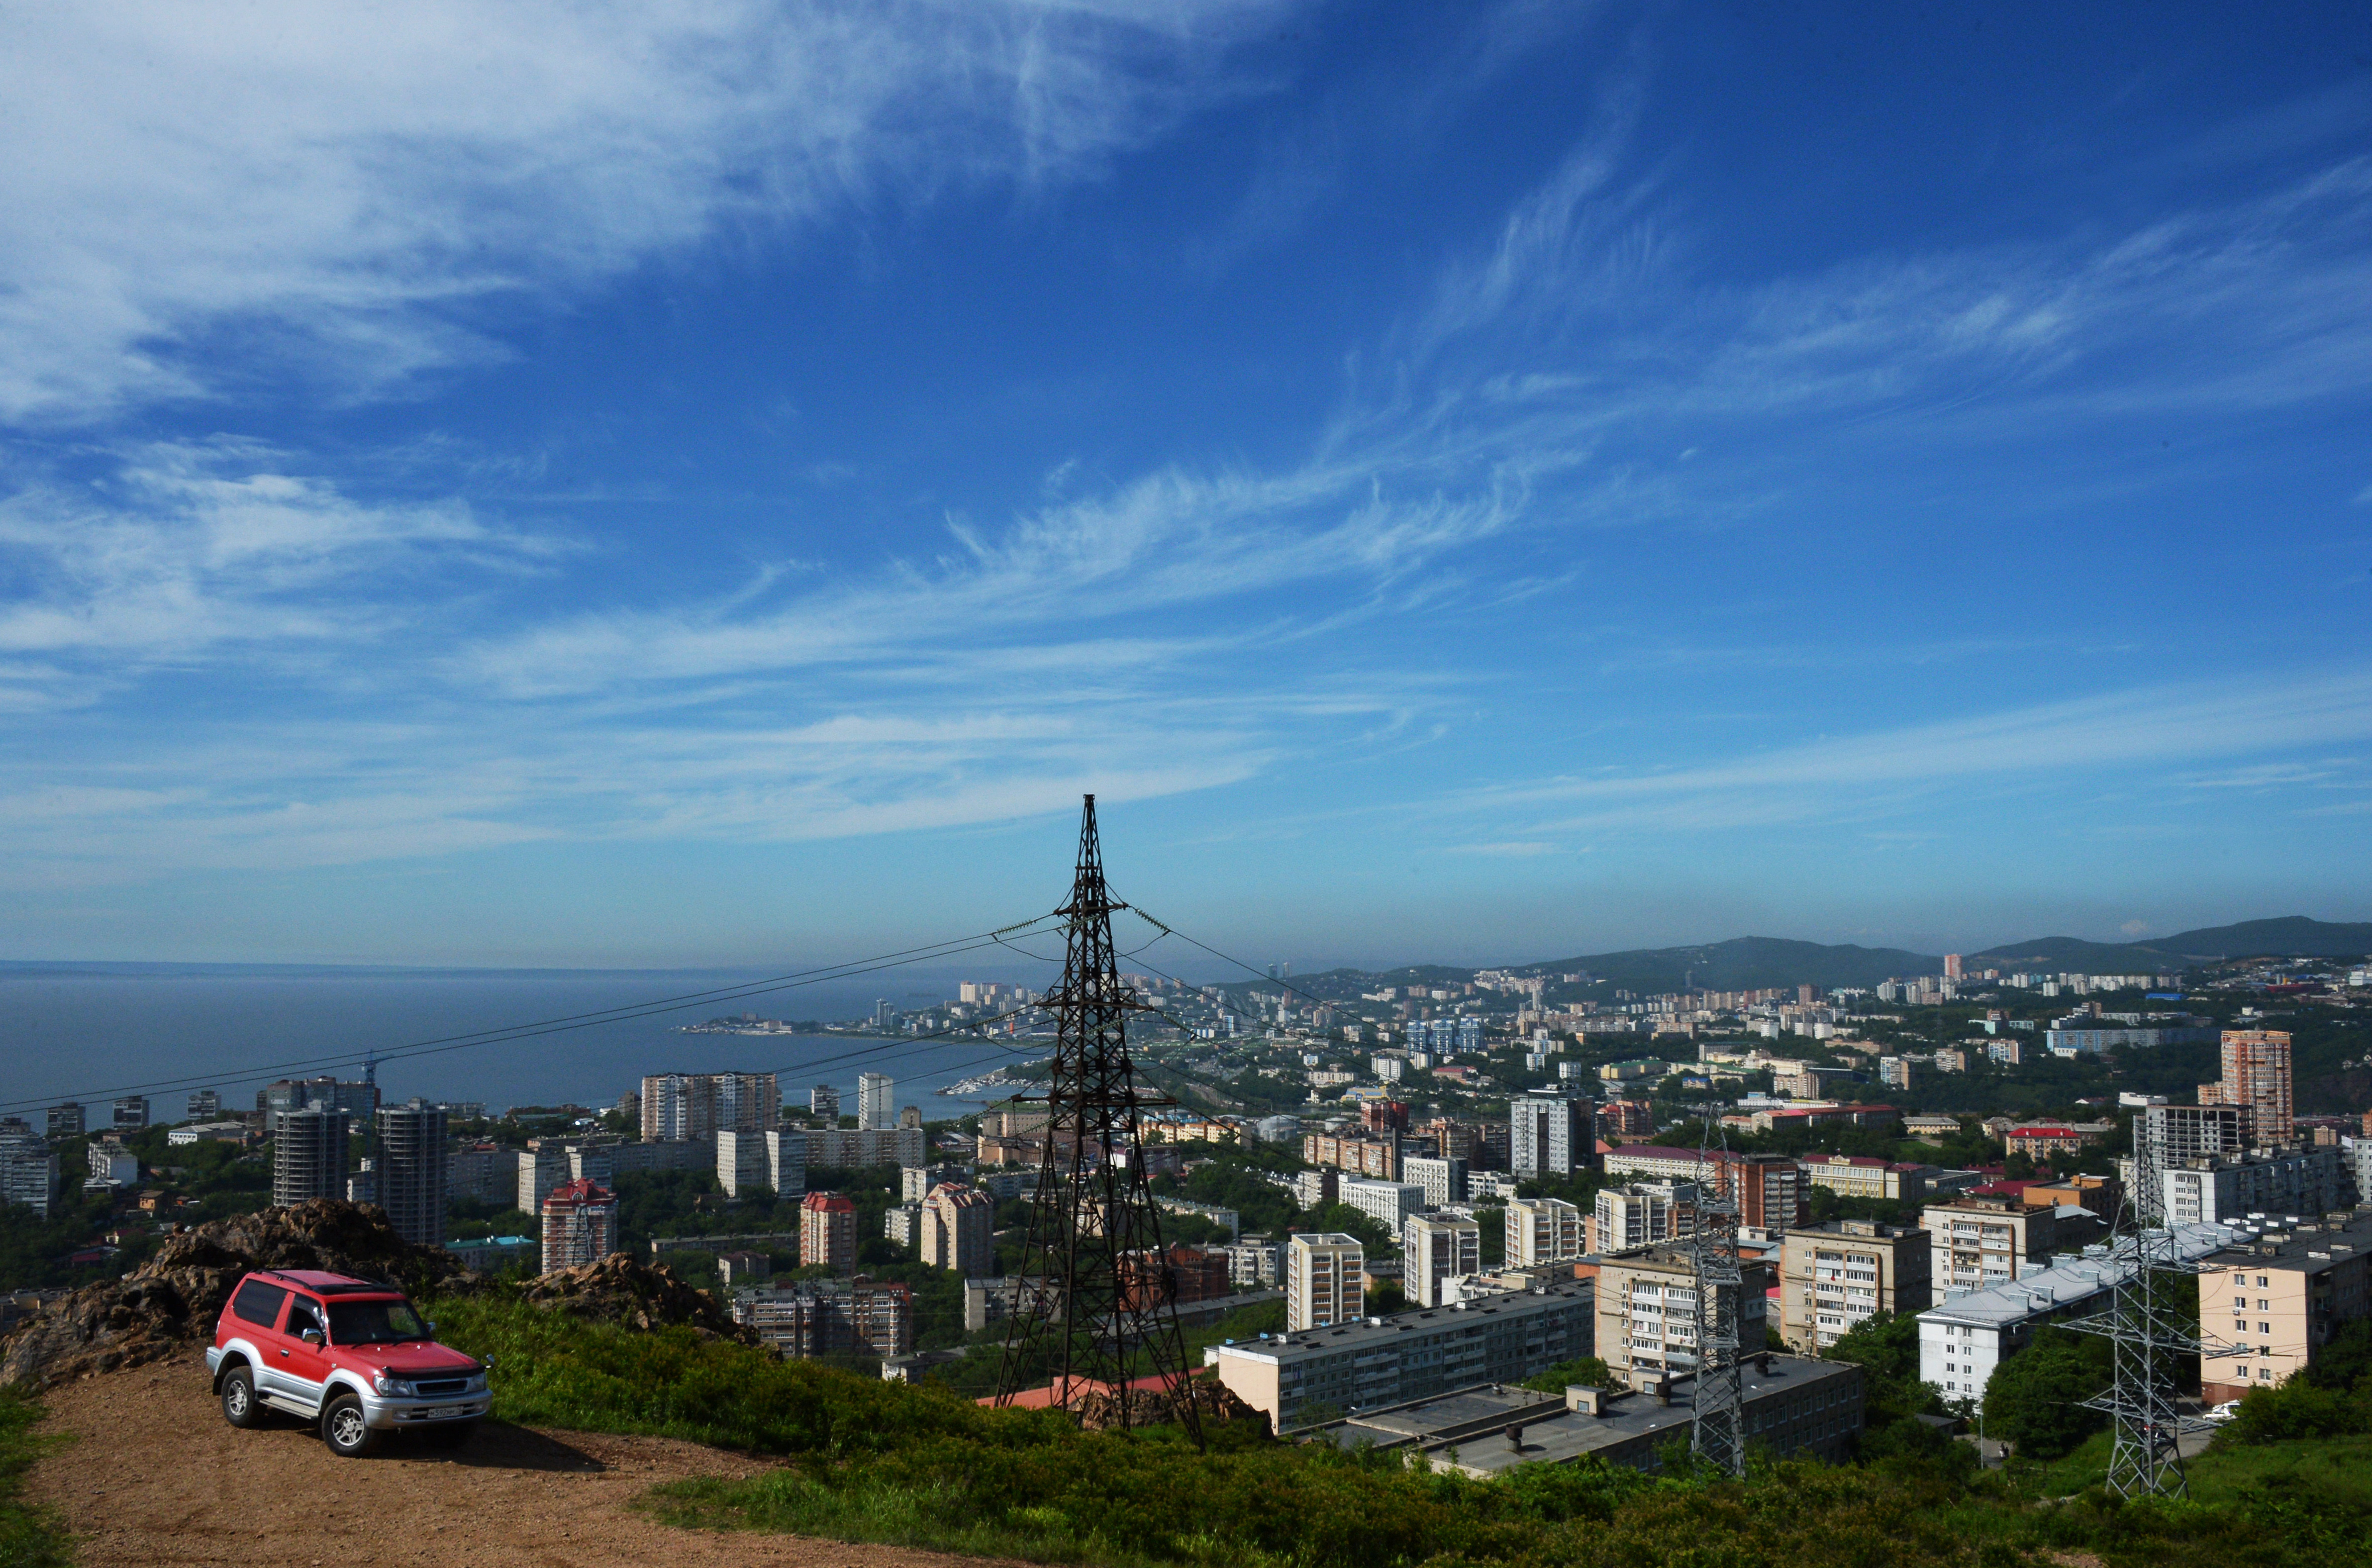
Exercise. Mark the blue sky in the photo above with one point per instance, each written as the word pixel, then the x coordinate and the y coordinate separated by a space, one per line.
pixel 714 483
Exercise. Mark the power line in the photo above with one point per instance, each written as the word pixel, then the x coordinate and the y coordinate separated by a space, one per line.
pixel 564 1022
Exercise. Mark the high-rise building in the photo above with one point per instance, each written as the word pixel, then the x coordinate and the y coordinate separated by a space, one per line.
pixel 1648 1311
pixel 309 1158
pixel 65 1122
pixel 1836 1276
pixel 1952 966
pixel 1433 1252
pixel 960 1230
pixel 277 1098
pixel 29 1172
pixel 1550 1135
pixel 1977 1242
pixel 775 1160
pixel 1642 1214
pixel 828 1231
pixel 413 1171
pixel 205 1105
pixel 580 1224
pixel 687 1106
pixel 1540 1230
pixel 877 1107
pixel 132 1111
pixel 824 1100
pixel 1444 1180
pixel 2256 1078
pixel 1325 1279
pixel 811 1318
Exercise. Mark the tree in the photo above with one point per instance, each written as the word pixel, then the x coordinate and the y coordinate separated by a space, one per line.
pixel 2035 1400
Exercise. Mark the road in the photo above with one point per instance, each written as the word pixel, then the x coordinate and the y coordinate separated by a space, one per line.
pixel 154 1475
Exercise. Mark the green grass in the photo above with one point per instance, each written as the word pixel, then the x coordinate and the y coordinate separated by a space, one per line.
pixel 29 1536
pixel 921 1467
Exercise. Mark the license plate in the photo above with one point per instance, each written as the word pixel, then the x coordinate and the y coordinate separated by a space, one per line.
pixel 443 1413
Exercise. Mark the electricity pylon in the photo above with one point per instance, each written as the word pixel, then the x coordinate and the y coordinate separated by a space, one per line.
pixel 1096 1295
pixel 1718 1433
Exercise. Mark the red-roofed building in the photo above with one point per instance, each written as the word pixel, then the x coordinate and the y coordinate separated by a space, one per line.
pixel 828 1231
pixel 580 1223
pixel 2045 1140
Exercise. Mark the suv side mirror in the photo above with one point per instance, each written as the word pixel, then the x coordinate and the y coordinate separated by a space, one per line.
pixel 311 1336
pixel 429 1328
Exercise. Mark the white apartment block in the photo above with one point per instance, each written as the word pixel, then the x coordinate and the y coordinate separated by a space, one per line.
pixel 1434 1251
pixel 2308 1182
pixel 1642 1214
pixel 1386 1203
pixel 876 1102
pixel 1540 1229
pixel 750 1161
pixel 1444 1180
pixel 1979 1242
pixel 1325 1279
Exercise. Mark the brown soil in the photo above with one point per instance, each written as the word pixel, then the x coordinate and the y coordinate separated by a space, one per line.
pixel 154 1475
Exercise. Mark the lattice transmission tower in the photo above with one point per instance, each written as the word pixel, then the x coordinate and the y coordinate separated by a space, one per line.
pixel 1097 1295
pixel 1718 1435
pixel 2148 1333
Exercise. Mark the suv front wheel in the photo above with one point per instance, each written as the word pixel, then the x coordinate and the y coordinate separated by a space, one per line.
pixel 239 1405
pixel 344 1429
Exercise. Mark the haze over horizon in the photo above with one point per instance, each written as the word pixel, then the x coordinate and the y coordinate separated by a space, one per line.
pixel 665 486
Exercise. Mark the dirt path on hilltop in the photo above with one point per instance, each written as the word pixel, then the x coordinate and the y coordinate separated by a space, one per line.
pixel 154 1475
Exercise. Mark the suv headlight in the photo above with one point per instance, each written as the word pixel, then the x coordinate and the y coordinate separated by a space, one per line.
pixel 398 1386
pixel 478 1384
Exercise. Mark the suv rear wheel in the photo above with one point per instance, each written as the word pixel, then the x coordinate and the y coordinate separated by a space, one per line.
pixel 241 1407
pixel 344 1429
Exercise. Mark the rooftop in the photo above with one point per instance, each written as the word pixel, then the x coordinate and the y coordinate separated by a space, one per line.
pixel 2310 1248
pixel 1476 1421
pixel 2014 1301
pixel 1475 1316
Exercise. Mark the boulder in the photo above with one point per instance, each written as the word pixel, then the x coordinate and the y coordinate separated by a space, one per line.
pixel 171 1302
pixel 1215 1403
pixel 620 1289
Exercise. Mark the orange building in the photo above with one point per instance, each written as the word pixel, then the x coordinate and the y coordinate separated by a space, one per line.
pixel 2257 1078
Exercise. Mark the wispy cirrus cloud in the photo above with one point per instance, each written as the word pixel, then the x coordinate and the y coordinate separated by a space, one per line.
pixel 335 189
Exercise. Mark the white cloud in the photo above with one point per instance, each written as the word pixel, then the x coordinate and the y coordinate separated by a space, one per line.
pixel 330 186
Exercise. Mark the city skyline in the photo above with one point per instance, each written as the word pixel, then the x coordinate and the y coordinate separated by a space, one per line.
pixel 1658 476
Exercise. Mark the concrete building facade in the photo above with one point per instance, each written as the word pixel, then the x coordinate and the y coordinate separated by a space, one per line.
pixel 1433 1252
pixel 1325 1279
pixel 1836 1276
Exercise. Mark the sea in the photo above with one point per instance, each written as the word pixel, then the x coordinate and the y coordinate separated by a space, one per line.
pixel 91 1033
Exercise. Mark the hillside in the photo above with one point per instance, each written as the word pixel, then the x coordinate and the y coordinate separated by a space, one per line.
pixel 1746 963
pixel 2291 937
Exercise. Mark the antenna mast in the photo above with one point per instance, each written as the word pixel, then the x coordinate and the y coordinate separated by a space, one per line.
pixel 1718 1433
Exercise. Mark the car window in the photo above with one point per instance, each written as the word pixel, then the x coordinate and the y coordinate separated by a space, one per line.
pixel 303 1314
pixel 374 1322
pixel 258 1303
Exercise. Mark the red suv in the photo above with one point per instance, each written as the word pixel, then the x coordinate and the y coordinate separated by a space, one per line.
pixel 348 1353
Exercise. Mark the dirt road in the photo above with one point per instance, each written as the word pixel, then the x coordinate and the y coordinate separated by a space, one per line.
pixel 154 1475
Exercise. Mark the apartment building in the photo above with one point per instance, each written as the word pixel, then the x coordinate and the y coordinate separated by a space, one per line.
pixel 580 1224
pixel 960 1230
pixel 1864 1176
pixel 1386 1203
pixel 1767 1188
pixel 1640 1215
pixel 837 1148
pixel 1980 1241
pixel 828 1231
pixel 2257 1079
pixel 1648 1311
pixel 2297 1181
pixel 1361 1153
pixel 309 1158
pixel 1360 1365
pixel 774 1161
pixel 2269 1303
pixel 1434 1251
pixel 1444 1179
pixel 811 1318
pixel 29 1172
pixel 1550 1135
pixel 695 1106
pixel 1835 1276
pixel 876 1102
pixel 1540 1229
pixel 1325 1279
pixel 413 1171
pixel 1792 1408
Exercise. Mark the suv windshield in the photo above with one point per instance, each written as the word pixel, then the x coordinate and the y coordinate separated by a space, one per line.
pixel 374 1322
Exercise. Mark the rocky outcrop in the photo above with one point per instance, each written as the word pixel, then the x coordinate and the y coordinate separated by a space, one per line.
pixel 1213 1403
pixel 618 1289
pixel 172 1300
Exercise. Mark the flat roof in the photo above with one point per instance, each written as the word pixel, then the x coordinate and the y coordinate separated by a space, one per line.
pixel 1487 1311
pixel 2008 1302
pixel 1475 1420
pixel 2303 1251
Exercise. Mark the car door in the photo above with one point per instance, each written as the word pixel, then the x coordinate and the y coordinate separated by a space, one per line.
pixel 305 1364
